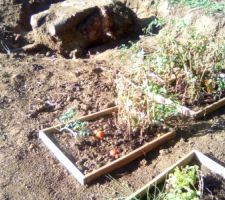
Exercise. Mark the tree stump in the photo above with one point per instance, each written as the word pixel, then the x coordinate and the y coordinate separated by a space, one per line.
pixel 72 26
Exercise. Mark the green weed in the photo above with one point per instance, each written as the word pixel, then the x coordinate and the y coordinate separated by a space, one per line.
pixel 182 183
pixel 76 128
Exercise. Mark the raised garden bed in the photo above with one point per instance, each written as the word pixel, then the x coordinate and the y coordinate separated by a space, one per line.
pixel 172 77
pixel 90 157
pixel 213 183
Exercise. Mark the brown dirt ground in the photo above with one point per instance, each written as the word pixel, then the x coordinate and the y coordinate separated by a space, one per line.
pixel 27 169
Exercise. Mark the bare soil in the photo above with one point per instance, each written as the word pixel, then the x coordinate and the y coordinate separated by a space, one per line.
pixel 30 83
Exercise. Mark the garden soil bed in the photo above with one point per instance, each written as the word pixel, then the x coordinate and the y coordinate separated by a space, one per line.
pixel 212 178
pixel 205 98
pixel 90 153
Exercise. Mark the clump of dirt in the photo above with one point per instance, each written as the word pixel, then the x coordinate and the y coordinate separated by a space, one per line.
pixel 214 187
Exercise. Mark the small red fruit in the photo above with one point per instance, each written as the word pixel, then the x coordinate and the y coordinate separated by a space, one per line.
pixel 100 134
pixel 114 152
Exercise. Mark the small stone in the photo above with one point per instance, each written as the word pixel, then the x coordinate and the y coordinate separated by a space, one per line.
pixel 83 107
pixel 105 126
pixel 28 186
pixel 100 158
pixel 17 37
pixel 48 54
pixel 144 162
pixel 54 166
pixel 110 104
pixel 70 98
pixel 164 151
pixel 52 162
pixel 31 147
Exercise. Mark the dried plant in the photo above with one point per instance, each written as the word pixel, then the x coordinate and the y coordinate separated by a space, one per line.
pixel 182 71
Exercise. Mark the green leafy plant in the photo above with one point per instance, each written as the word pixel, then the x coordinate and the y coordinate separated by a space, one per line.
pixel 194 61
pixel 221 82
pixel 183 184
pixel 75 128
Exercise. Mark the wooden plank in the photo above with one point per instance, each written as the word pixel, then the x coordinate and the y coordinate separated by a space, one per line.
pixel 90 117
pixel 210 108
pixel 99 114
pixel 61 157
pixel 141 151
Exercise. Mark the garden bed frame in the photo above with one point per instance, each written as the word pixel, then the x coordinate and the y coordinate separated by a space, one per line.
pixel 85 179
pixel 213 166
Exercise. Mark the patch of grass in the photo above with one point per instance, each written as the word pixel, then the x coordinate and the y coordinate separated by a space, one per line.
pixel 209 5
